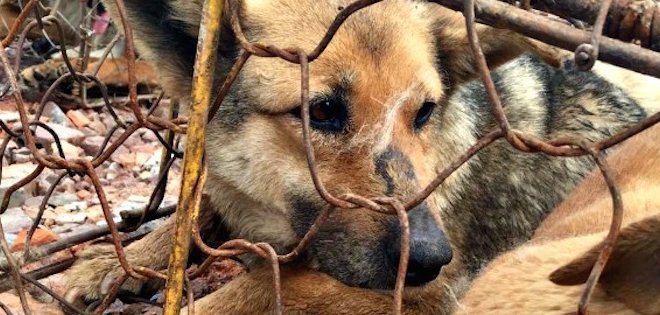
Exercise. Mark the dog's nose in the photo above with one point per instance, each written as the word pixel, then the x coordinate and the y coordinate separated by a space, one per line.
pixel 429 248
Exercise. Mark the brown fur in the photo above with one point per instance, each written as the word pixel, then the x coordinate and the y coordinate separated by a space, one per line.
pixel 112 72
pixel 516 282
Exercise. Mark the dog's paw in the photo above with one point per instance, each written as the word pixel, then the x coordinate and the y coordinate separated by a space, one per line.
pixel 96 270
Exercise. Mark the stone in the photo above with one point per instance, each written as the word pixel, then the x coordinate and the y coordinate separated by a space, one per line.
pixel 65 228
pixel 11 145
pixel 31 211
pixel 83 194
pixel 63 199
pixel 138 199
pixel 10 237
pixel 113 171
pixel 15 219
pixel 10 117
pixel 134 202
pixel 42 186
pixel 40 237
pixel 50 177
pixel 153 163
pixel 144 148
pixel 50 214
pixel 141 158
pixel 133 140
pixel 17 170
pixel 33 201
pixel 21 155
pixel 48 222
pixel 10 176
pixel 92 145
pixel 108 121
pixel 149 137
pixel 114 167
pixel 146 176
pixel 76 206
pixel 93 115
pixel 65 218
pixel 70 151
pixel 64 133
pixel 78 118
pixel 95 212
pixel 98 127
pixel 89 132
pixel 66 186
pixel 124 157
pixel 56 115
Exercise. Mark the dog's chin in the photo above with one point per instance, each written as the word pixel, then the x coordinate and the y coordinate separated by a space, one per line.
pixel 382 283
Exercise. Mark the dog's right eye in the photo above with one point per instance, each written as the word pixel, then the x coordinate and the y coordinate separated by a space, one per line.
pixel 325 114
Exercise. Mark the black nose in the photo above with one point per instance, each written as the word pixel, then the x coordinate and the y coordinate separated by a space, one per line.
pixel 429 248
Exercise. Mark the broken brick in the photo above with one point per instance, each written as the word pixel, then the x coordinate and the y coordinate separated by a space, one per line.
pixel 78 118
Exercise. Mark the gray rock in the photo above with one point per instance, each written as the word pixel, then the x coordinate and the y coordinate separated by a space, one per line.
pixel 56 115
pixel 64 133
pixel 67 218
pixel 92 145
pixel 9 117
pixel 63 199
pixel 10 176
pixel 14 220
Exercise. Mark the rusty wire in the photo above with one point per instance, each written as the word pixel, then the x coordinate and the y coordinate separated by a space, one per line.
pixel 523 21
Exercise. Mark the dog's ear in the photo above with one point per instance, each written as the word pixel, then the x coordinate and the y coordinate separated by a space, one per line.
pixel 455 55
pixel 165 33
pixel 632 274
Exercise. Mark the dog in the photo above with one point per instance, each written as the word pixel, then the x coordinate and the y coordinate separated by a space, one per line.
pixel 521 281
pixel 393 99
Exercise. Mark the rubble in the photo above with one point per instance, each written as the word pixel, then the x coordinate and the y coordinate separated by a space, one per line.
pixel 128 177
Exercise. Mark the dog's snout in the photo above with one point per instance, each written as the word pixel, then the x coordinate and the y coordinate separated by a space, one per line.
pixel 429 248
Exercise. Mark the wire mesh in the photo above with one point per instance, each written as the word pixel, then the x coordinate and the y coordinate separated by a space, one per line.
pixel 530 19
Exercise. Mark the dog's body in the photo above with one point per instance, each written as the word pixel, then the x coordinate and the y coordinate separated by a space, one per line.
pixel 392 102
pixel 519 282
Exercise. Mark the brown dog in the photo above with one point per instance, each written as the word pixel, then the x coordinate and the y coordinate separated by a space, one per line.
pixel 521 281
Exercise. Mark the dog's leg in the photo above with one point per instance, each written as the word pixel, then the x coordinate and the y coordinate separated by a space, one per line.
pixel 98 266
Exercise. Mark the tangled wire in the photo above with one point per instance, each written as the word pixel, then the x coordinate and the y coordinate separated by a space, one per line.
pixel 589 46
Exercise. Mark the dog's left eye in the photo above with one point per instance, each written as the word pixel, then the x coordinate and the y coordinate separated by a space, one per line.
pixel 424 114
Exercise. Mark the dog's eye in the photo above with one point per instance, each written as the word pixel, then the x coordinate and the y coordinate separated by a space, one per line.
pixel 325 114
pixel 424 114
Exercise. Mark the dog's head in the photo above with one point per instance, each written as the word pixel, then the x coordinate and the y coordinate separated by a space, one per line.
pixel 380 127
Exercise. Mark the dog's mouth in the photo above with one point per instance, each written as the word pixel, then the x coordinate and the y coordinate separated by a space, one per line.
pixel 363 248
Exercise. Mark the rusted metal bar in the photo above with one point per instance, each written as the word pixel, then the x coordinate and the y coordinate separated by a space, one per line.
pixel 93 233
pixel 627 19
pixel 6 283
pixel 587 54
pixel 193 166
pixel 502 15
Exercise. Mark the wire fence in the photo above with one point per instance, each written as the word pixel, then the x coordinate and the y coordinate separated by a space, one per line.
pixel 548 21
